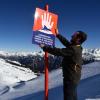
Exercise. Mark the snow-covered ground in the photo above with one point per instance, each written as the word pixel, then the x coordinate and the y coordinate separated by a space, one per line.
pixel 10 74
pixel 88 89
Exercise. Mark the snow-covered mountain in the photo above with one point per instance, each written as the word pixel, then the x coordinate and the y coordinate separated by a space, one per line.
pixel 35 60
pixel 10 74
pixel 8 54
pixel 87 54
pixel 32 60
pixel 91 54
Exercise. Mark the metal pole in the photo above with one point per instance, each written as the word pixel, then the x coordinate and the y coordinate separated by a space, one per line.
pixel 46 68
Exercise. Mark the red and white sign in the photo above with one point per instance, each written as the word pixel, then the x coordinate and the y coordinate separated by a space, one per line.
pixel 44 19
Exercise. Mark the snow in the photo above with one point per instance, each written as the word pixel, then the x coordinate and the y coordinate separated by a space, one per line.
pixel 92 99
pixel 4 53
pixel 91 69
pixel 89 54
pixel 33 89
pixel 15 62
pixel 10 74
pixel 18 83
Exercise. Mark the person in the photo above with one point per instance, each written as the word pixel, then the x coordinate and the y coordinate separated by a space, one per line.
pixel 71 63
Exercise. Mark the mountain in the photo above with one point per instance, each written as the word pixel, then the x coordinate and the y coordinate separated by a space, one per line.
pixel 20 83
pixel 32 60
pixel 35 60
pixel 90 54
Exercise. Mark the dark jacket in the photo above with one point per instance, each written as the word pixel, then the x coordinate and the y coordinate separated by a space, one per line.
pixel 72 58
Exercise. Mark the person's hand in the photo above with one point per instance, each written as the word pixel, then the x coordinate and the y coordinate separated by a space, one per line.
pixel 41 45
pixel 56 31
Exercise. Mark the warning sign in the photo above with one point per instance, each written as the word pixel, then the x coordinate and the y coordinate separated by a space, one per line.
pixel 44 27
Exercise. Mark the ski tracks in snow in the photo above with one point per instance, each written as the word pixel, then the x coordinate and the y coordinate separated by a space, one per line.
pixel 4 88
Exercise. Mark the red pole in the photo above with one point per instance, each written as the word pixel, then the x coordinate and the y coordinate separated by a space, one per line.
pixel 46 75
pixel 46 68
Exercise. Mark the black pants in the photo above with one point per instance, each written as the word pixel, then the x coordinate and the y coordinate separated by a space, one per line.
pixel 71 78
pixel 69 90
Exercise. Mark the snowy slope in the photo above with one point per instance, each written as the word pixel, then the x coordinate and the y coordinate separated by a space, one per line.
pixel 10 74
pixel 89 87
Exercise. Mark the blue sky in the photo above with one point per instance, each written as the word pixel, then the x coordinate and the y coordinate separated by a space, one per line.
pixel 16 20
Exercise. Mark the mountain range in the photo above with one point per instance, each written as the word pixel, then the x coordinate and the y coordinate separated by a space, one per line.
pixel 35 60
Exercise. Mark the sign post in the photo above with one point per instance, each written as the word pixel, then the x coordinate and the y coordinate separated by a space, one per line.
pixel 46 69
pixel 44 27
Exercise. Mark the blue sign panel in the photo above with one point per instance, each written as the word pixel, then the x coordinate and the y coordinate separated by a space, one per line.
pixel 43 38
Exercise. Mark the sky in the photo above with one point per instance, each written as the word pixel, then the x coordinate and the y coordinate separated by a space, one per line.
pixel 17 17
